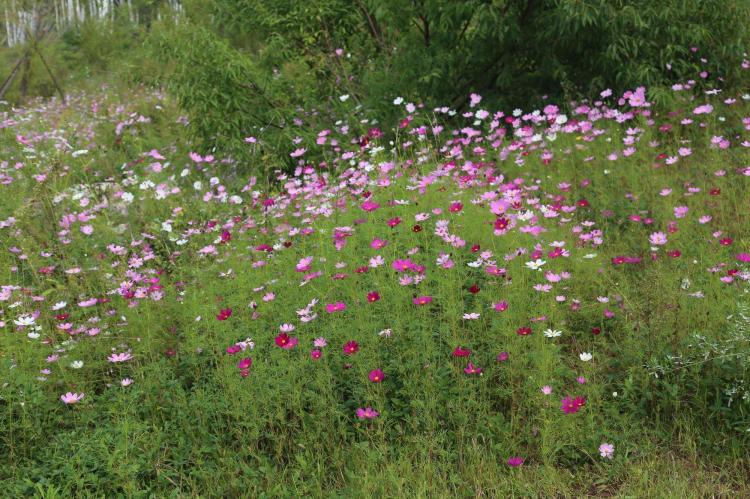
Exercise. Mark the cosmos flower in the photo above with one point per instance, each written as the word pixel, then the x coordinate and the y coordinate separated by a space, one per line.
pixel 606 450
pixel 120 357
pixel 71 398
pixel 658 238
pixel 224 314
pixel 422 300
pixel 351 347
pixel 338 306
pixel 376 375
pixel 367 413
pixel 285 341
pixel 472 369
pixel 570 405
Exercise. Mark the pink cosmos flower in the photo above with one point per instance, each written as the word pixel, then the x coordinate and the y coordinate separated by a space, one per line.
pixel 320 342
pixel 658 238
pixel 606 450
pixel 71 398
pixel 367 413
pixel 304 264
pixel 120 357
pixel 680 211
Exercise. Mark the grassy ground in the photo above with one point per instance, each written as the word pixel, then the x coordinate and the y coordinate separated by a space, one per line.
pixel 623 228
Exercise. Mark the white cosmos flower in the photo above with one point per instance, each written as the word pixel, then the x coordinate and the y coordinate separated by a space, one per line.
pixel 585 356
pixel 76 364
pixel 24 320
pixel 536 264
pixel 552 333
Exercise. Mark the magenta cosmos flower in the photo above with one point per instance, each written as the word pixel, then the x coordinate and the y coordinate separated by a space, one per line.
pixel 461 352
pixel 515 461
pixel 224 314
pixel 500 306
pixel 339 306
pixel 71 398
pixel 472 369
pixel 286 342
pixel 422 300
pixel 571 405
pixel 367 413
pixel 377 375
pixel 370 205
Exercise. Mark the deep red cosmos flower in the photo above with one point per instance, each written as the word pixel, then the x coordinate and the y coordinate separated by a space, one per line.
pixel 523 331
pixel 351 347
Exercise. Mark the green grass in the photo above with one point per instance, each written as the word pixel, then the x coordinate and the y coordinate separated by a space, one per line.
pixel 191 425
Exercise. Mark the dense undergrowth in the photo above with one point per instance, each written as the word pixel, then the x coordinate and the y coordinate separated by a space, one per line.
pixel 537 303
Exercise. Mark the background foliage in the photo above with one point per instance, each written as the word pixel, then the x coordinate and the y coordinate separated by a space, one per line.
pixel 240 67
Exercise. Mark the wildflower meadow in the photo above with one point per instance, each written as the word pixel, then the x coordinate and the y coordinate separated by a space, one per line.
pixel 436 301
